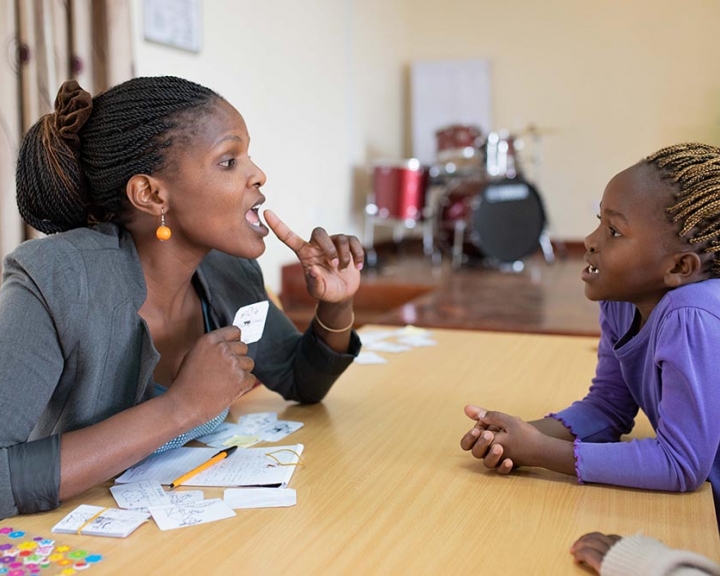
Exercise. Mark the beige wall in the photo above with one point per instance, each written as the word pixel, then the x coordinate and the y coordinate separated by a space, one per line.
pixel 323 87
pixel 614 80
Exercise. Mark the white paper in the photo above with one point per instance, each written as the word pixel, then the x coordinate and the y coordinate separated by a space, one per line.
pixel 384 346
pixel 255 421
pixel 249 430
pixel 260 497
pixel 369 358
pixel 416 341
pixel 111 522
pixel 376 335
pixel 278 430
pixel 171 517
pixel 140 495
pixel 251 321
pixel 244 467
pixel 184 497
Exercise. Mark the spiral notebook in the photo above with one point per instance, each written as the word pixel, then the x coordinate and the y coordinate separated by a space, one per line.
pixel 272 466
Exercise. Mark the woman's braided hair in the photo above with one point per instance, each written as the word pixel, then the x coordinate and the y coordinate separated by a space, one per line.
pixel 695 168
pixel 74 164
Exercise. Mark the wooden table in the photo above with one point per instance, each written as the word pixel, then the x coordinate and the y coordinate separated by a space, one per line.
pixel 387 490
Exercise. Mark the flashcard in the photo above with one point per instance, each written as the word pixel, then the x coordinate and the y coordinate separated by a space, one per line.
pixel 251 321
pixel 99 521
pixel 201 512
pixel 277 431
pixel 140 495
pixel 260 497
pixel 185 497
pixel 256 421
pixel 416 341
pixel 369 358
pixel 384 346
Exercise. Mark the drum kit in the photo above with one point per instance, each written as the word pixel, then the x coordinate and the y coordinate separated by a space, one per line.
pixel 475 202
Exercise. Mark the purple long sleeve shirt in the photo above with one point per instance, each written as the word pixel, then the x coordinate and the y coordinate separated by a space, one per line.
pixel 669 369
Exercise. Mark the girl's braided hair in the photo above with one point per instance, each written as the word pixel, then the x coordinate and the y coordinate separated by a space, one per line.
pixel 695 168
pixel 74 164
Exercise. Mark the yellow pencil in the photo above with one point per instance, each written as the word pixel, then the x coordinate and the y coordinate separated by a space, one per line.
pixel 214 460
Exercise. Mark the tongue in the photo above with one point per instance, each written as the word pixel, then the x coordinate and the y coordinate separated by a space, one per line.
pixel 252 217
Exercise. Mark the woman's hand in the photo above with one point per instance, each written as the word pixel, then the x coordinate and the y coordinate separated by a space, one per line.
pixel 331 264
pixel 214 373
pixel 591 548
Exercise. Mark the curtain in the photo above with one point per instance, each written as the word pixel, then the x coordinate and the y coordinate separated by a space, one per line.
pixel 47 42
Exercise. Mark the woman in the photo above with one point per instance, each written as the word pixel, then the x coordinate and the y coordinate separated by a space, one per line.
pixel 117 336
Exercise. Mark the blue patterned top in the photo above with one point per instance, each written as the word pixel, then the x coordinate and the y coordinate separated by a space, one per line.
pixel 203 429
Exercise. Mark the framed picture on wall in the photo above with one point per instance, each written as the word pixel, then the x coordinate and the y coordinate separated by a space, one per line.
pixel 176 23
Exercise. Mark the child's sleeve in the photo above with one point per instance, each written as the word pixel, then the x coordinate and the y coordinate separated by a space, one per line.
pixel 682 454
pixel 608 410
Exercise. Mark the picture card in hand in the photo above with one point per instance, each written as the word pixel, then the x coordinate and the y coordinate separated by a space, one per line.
pixel 251 321
pixel 99 521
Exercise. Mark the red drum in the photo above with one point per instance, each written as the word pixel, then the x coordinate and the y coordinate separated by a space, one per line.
pixel 503 219
pixel 400 189
pixel 458 142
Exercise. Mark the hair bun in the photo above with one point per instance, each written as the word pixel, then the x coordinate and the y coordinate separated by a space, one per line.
pixel 73 106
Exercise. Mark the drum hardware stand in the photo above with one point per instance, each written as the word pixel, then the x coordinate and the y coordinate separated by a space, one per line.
pixel 399 226
pixel 547 247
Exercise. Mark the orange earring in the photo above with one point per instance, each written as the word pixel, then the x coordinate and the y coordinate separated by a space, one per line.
pixel 163 232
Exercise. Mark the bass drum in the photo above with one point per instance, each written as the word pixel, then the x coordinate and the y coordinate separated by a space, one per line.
pixel 502 220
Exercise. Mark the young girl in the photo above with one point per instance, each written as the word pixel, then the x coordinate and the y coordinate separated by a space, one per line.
pixel 653 263
pixel 116 335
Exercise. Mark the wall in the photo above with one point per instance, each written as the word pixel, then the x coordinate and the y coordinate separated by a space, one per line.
pixel 299 72
pixel 611 81
pixel 323 85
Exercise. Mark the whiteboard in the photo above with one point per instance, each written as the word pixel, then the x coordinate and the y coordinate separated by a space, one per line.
pixel 447 92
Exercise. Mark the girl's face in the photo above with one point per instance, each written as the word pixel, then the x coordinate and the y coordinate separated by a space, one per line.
pixel 214 188
pixel 632 249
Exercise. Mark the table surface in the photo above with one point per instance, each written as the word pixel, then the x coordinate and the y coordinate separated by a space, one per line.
pixel 387 489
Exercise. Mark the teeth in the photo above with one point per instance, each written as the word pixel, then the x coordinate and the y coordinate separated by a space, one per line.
pixel 592 269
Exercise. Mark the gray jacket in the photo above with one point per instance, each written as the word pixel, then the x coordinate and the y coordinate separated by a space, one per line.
pixel 74 351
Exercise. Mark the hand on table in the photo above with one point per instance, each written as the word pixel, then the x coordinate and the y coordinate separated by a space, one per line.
pixel 331 264
pixel 501 441
pixel 591 548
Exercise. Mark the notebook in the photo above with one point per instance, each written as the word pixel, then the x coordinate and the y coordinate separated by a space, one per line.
pixel 271 466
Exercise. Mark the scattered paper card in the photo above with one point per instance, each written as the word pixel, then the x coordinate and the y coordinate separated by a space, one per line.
pixel 99 521
pixel 260 497
pixel 385 346
pixel 140 495
pixel 269 466
pixel 201 512
pixel 251 321
pixel 249 430
pixel 417 341
pixel 256 421
pixel 185 497
pixel 369 358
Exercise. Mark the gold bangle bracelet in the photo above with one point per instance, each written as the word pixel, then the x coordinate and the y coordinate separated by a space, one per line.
pixel 335 330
